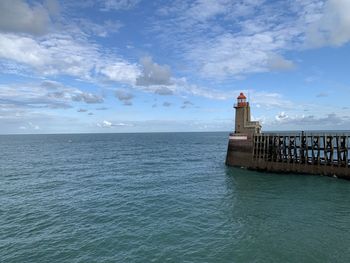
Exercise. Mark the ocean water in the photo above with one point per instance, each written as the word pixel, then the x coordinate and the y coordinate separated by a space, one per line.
pixel 164 197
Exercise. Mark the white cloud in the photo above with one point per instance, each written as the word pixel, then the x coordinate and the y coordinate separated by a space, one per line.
pixel 167 125
pixel 108 124
pixel 102 30
pixel 277 62
pixel 231 54
pixel 269 100
pixel 58 54
pixel 87 97
pixel 65 50
pixel 119 71
pixel 18 16
pixel 221 39
pixel 281 116
pixel 202 10
pixel 124 97
pixel 329 121
pixel 230 38
pixel 163 90
pixel 23 50
pixel 153 74
pixel 34 126
pixel 108 5
pixel 48 94
pixel 332 26
pixel 182 86
pixel 105 124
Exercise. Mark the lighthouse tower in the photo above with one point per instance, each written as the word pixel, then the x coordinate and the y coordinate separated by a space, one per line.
pixel 243 123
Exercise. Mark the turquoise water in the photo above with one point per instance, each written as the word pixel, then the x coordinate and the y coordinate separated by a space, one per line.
pixel 160 198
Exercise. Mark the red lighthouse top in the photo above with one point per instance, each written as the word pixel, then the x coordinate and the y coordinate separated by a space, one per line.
pixel 241 96
pixel 241 101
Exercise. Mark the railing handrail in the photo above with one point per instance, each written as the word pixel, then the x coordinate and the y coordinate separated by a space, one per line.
pixel 307 133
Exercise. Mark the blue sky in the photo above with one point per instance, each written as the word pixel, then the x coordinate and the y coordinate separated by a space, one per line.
pixel 147 66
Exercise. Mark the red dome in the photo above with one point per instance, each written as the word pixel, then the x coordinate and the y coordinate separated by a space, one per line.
pixel 241 96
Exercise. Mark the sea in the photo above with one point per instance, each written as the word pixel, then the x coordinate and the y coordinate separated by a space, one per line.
pixel 160 197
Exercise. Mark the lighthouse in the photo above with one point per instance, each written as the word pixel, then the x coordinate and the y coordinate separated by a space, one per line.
pixel 240 145
pixel 243 123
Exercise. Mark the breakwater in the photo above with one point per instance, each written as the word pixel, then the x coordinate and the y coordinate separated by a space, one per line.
pixel 297 152
pixel 310 153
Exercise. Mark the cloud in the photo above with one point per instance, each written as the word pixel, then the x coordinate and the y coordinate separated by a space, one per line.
pixel 101 30
pixel 186 104
pixel 277 62
pixel 29 126
pixel 18 16
pixel 182 86
pixel 153 74
pixel 281 116
pixel 13 116
pixel 87 97
pixel 203 10
pixel 237 55
pixel 108 124
pixel 47 94
pixel 29 97
pixel 33 126
pixel 329 121
pixel 63 54
pixel 169 125
pixel 65 49
pixel 166 104
pixel 332 26
pixel 119 71
pixel 269 100
pixel 322 95
pixel 71 53
pixel 109 5
pixel 164 91
pixel 57 55
pixel 225 39
pixel 124 97
pixel 105 124
pixel 53 7
pixel 187 13
pixel 82 110
pixel 243 46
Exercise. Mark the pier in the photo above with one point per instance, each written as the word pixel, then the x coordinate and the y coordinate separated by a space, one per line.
pixel 297 152
pixel 325 154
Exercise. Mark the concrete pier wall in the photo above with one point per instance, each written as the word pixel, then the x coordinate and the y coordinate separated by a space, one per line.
pixel 239 150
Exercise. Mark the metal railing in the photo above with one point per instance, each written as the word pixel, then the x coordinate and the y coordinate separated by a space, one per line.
pixel 303 148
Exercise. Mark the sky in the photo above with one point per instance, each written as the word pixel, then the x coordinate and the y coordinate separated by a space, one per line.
pixel 170 66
